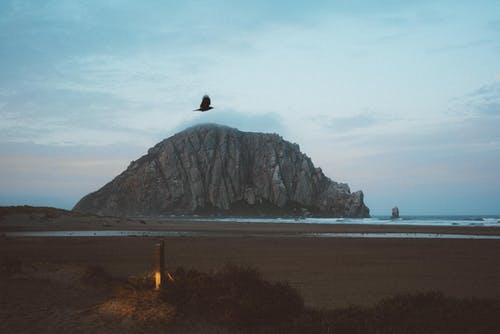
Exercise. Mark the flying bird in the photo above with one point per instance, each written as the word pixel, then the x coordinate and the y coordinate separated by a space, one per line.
pixel 205 104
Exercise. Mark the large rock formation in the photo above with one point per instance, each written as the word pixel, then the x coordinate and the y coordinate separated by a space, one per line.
pixel 210 169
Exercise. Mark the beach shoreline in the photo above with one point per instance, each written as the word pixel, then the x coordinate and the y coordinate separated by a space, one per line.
pixel 329 272
pixel 48 219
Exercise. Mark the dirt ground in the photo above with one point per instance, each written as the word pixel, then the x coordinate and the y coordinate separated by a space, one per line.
pixel 329 273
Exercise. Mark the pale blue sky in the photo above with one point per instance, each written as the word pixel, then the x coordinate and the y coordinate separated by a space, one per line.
pixel 400 99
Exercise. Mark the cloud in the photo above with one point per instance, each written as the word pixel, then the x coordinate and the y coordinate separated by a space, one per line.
pixel 349 123
pixel 58 175
pixel 488 91
pixel 492 108
pixel 494 24
pixel 255 122
pixel 461 46
pixel 334 77
pixel 63 116
pixel 484 101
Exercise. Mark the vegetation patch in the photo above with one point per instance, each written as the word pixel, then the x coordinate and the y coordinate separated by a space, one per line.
pixel 235 295
pixel 142 306
pixel 236 299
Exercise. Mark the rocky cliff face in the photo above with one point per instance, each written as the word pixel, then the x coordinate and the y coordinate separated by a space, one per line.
pixel 216 169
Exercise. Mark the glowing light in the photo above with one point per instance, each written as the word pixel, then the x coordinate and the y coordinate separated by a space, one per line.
pixel 157 280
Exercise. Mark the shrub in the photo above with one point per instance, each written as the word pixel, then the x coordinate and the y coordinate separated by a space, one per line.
pixel 235 295
pixel 238 299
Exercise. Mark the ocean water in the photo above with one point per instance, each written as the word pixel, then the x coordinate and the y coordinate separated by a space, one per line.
pixel 460 221
pixel 464 220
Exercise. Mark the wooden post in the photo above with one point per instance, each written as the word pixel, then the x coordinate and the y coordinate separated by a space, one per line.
pixel 159 265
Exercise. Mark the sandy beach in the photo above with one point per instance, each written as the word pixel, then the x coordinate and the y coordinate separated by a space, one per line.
pixel 42 291
pixel 329 272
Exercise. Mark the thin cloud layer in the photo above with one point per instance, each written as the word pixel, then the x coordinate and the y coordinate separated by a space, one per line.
pixel 246 122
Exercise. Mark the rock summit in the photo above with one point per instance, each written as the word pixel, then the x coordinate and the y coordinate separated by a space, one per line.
pixel 214 169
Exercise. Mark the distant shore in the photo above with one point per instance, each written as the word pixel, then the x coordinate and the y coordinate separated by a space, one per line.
pixel 25 218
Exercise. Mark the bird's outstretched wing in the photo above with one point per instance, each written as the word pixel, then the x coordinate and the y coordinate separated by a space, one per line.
pixel 205 102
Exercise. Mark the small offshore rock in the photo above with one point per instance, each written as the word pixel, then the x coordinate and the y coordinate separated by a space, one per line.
pixel 395 212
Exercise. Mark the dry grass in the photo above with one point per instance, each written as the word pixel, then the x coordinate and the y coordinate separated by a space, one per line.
pixel 142 306
pixel 234 295
pixel 234 298
pixel 132 299
pixel 237 299
pixel 429 312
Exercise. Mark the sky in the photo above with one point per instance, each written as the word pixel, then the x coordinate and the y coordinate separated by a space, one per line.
pixel 400 99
